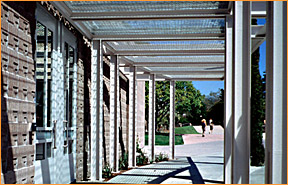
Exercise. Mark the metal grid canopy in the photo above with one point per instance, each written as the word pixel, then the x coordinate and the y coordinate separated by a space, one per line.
pixel 201 24
pixel 180 37
pixel 167 45
pixel 179 59
pixel 143 6
pixel 157 27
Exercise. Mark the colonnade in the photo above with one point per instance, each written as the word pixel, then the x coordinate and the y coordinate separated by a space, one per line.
pixel 238 94
pixel 237 100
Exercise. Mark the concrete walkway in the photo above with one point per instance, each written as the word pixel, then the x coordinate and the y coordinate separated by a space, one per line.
pixel 180 171
pixel 200 160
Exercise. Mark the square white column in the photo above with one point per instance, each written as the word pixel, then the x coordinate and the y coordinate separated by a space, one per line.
pixel 241 92
pixel 151 124
pixel 96 111
pixel 132 116
pixel 228 123
pixel 114 113
pixel 276 93
pixel 172 121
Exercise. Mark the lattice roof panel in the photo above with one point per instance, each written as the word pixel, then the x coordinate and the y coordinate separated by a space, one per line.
pixel 167 45
pixel 140 6
pixel 157 27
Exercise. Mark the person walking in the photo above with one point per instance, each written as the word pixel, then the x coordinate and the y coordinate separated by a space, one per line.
pixel 203 124
pixel 211 125
pixel 208 125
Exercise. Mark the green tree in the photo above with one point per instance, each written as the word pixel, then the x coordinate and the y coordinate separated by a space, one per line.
pixel 257 112
pixel 216 112
pixel 212 99
pixel 188 101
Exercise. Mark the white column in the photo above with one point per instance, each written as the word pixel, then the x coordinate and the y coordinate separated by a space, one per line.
pixel 172 120
pixel 96 111
pixel 276 94
pixel 114 113
pixel 132 117
pixel 151 124
pixel 228 123
pixel 241 93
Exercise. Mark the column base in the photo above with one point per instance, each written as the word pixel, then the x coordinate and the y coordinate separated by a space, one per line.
pixel 132 167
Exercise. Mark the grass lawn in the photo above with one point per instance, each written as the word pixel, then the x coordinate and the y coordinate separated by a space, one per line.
pixel 185 130
pixel 163 139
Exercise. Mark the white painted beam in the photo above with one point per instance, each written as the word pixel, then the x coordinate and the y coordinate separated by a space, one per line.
pixel 160 52
pixel 96 111
pixel 158 77
pixel 196 79
pixel 179 64
pixel 78 17
pixel 192 73
pixel 276 94
pixel 258 9
pixel 114 113
pixel 132 117
pixel 241 92
pixel 150 15
pixel 172 121
pixel 147 37
pixel 151 123
pixel 228 122
pixel 161 38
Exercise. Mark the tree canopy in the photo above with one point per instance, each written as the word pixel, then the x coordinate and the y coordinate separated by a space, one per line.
pixel 257 112
pixel 216 103
pixel 188 103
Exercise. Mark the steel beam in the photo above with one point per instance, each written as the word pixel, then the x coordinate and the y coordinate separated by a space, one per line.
pixel 150 15
pixel 96 111
pixel 114 113
pixel 241 92
pixel 228 123
pixel 78 17
pixel 172 120
pixel 179 64
pixel 189 72
pixel 161 52
pixel 160 38
pixel 151 123
pixel 151 37
pixel 276 94
pixel 132 117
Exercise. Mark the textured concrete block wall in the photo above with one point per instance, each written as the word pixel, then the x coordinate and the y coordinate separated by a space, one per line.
pixel 123 111
pixel 17 97
pixel 80 122
pixel 140 125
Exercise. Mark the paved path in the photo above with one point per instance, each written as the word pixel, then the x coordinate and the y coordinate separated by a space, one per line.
pixel 180 171
pixel 217 135
pixel 199 160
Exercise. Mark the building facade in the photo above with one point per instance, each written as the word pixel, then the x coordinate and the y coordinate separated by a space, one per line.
pixel 46 91
pixel 68 110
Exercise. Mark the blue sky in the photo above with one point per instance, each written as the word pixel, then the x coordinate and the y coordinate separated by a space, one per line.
pixel 206 87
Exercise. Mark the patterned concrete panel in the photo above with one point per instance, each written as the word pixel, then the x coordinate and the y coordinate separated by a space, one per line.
pixel 17 97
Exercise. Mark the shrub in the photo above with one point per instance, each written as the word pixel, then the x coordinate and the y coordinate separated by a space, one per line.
pixel 106 171
pixel 123 161
pixel 161 157
pixel 140 159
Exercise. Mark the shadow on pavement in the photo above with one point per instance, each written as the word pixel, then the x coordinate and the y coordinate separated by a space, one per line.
pixel 194 173
pixel 213 181
pixel 195 176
